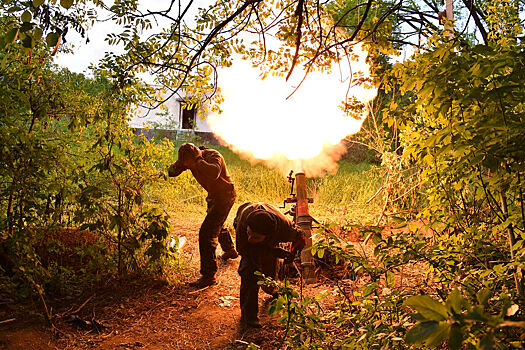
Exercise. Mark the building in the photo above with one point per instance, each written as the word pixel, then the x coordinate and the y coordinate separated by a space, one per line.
pixel 176 120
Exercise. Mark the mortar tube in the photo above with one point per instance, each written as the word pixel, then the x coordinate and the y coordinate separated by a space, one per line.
pixel 304 222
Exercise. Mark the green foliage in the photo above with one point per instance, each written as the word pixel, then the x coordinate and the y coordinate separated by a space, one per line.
pixel 379 23
pixel 462 129
pixel 69 160
pixel 112 195
pixel 300 316
pixel 453 261
pixel 358 320
pixel 30 21
pixel 459 322
pixel 467 136
pixel 474 309
pixel 503 19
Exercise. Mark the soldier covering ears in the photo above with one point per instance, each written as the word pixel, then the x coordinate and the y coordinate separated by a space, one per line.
pixel 209 169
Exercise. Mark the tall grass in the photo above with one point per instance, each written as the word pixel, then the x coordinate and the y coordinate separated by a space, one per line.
pixel 343 196
pixel 340 197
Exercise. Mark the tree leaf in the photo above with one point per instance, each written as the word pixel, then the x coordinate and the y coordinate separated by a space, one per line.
pixel 428 307
pixel 28 42
pixel 455 338
pixel 37 34
pixel 454 301
pixel 26 27
pixel 487 343
pixel 13 9
pixel 52 39
pixel 26 16
pixel 439 335
pixel 390 279
pixel 66 3
pixel 369 289
pixel 420 332
pixel 37 3
pixel 11 35
pixel 483 296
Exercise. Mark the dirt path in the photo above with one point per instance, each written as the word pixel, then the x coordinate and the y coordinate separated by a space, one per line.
pixel 153 314
pixel 150 314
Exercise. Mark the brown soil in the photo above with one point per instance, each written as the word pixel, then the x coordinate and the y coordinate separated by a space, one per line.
pixel 145 314
pixel 153 314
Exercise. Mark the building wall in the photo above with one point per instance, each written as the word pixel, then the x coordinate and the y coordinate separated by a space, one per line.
pixel 162 118
pixel 174 106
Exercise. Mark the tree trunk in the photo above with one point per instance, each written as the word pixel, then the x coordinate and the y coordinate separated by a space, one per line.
pixel 512 241
pixel 449 28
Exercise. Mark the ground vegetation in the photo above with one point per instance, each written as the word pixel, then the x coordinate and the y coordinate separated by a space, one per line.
pixel 435 261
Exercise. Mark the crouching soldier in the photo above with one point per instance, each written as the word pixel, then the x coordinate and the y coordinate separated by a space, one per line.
pixel 260 227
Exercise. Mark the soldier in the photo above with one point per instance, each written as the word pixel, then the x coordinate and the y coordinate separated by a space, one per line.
pixel 259 228
pixel 209 169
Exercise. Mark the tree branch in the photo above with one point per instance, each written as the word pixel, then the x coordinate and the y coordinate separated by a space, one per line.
pixel 299 13
pixel 474 13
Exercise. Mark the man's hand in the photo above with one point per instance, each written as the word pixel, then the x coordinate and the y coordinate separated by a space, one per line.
pixel 176 169
pixel 297 247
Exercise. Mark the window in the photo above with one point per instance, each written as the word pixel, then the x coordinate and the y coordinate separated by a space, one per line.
pixel 187 115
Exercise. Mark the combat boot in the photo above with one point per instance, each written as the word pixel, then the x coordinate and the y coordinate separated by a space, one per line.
pixel 204 281
pixel 230 254
pixel 254 323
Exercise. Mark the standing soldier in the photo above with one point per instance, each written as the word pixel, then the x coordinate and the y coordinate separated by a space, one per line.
pixel 209 169
pixel 259 228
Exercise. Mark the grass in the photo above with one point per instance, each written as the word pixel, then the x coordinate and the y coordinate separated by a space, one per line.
pixel 340 197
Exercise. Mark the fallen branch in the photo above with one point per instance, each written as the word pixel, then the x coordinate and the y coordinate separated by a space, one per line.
pixel 375 194
pixel 368 237
pixel 84 304
pixel 8 320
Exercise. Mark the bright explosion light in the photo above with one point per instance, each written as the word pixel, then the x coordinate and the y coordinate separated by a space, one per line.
pixel 303 132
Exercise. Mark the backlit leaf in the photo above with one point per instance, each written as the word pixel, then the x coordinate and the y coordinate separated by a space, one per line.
pixel 37 34
pixel 52 39
pixel 454 301
pixel 455 338
pixel 66 3
pixel 11 35
pixel 483 296
pixel 428 307
pixel 420 332
pixel 26 16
